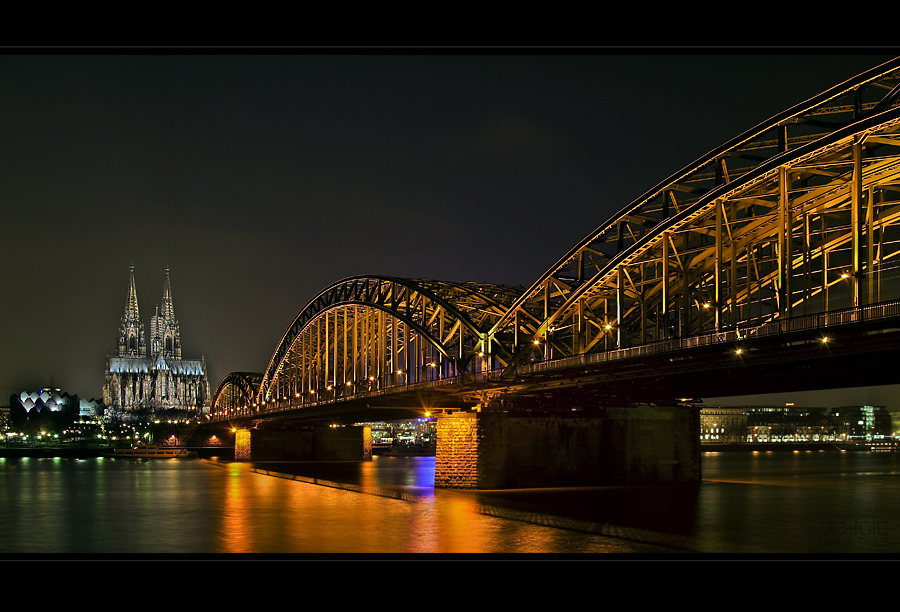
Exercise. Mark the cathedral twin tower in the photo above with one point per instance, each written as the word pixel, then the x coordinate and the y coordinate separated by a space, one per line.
pixel 154 378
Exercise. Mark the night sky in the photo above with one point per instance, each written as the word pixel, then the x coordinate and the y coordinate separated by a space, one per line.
pixel 259 178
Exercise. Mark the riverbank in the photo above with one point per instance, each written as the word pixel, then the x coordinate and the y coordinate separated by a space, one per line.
pixel 782 447
pixel 225 454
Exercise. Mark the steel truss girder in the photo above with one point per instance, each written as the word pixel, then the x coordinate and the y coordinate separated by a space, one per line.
pixel 595 297
pixel 369 332
pixel 729 248
pixel 798 215
pixel 236 394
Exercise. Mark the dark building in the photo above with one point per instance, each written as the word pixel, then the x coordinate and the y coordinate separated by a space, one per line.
pixel 864 422
pixel 46 410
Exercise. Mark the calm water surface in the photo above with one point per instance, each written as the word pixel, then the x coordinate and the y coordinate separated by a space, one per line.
pixel 805 503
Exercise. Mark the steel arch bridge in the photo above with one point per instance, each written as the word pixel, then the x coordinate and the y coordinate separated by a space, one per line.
pixel 768 225
pixel 237 392
pixel 798 216
pixel 365 334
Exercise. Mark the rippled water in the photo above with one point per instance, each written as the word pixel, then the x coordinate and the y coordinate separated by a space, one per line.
pixel 767 503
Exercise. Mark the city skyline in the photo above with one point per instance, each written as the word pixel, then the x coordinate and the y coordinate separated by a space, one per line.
pixel 259 179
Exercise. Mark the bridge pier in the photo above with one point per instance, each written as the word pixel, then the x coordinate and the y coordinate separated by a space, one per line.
pixel 304 444
pixel 634 445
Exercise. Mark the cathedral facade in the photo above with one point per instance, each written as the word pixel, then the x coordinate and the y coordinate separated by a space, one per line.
pixel 152 375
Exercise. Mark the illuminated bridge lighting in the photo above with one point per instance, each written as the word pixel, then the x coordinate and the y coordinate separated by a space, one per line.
pixel 792 225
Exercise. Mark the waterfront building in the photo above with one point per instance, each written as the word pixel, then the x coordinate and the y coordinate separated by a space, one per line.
pixel 788 423
pixel 405 434
pixel 90 408
pixel 862 421
pixel 720 425
pixel 895 422
pixel 153 376
pixel 47 410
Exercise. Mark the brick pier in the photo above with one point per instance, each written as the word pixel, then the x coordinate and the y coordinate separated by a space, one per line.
pixel 633 445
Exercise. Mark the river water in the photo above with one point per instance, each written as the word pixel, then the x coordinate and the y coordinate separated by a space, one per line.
pixel 767 503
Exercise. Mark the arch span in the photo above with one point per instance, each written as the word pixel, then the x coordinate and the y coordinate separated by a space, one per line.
pixel 366 333
pixel 236 394
pixel 799 215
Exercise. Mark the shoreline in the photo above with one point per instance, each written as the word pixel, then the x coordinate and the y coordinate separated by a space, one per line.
pixel 787 447
pixel 206 452
pixel 92 452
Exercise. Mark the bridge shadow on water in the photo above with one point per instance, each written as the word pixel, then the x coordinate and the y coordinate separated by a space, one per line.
pixel 660 515
pixel 821 503
pixel 657 518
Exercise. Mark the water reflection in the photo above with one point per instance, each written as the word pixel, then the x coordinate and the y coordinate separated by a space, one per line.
pixel 800 502
pixel 388 506
pixel 766 503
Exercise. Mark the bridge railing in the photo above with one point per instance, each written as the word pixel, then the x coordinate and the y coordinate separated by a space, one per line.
pixel 803 323
pixel 820 321
pixel 277 406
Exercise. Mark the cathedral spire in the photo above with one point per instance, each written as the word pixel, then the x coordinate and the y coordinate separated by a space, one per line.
pixel 165 335
pixel 153 376
pixel 131 330
pixel 168 309
pixel 132 312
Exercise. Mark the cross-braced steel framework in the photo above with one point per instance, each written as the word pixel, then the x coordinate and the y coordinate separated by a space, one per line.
pixel 367 333
pixel 797 216
pixel 236 394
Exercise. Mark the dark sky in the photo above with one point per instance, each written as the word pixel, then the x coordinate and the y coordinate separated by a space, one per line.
pixel 260 178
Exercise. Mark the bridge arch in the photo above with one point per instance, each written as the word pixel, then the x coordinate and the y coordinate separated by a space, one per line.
pixel 365 333
pixel 236 394
pixel 771 224
pixel 799 215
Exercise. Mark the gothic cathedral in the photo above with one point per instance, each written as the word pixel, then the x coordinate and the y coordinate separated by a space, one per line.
pixel 153 378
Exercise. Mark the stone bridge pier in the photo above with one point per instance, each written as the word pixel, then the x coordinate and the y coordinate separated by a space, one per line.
pixel 304 444
pixel 504 450
pixel 633 445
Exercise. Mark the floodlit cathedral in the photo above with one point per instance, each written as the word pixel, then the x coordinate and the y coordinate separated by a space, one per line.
pixel 154 377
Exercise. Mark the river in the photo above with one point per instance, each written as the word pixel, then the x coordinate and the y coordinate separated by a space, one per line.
pixel 821 503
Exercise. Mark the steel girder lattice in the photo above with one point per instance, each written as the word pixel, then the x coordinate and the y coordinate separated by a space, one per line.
pixel 236 394
pixel 368 333
pixel 795 216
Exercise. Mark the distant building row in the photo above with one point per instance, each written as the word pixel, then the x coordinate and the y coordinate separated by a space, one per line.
pixel 720 425
pixel 49 410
